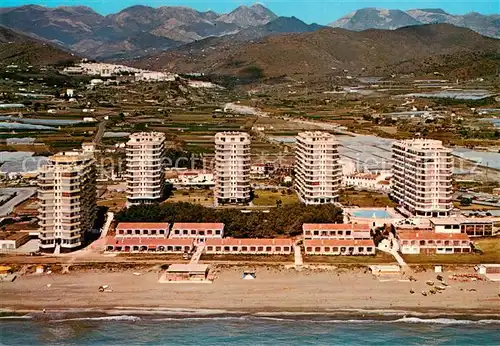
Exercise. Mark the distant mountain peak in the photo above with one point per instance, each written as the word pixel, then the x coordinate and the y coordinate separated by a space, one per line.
pixel 376 18
pixel 369 18
pixel 434 10
pixel 245 16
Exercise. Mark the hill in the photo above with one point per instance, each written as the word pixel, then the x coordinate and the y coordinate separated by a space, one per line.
pixel 329 51
pixel 17 48
pixel 136 30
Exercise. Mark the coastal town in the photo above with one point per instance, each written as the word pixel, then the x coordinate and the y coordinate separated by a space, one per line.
pixel 207 186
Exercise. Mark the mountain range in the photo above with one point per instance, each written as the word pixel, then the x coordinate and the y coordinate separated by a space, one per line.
pixel 373 18
pixel 139 31
pixel 329 52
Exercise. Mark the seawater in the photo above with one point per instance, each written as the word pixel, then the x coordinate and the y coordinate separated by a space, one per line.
pixel 180 329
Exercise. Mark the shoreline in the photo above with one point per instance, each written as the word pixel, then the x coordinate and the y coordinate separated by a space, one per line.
pixel 275 291
pixel 145 314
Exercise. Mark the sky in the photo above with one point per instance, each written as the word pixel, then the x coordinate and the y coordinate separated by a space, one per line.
pixel 317 11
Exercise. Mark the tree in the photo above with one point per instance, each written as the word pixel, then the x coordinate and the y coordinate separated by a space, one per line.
pixel 465 201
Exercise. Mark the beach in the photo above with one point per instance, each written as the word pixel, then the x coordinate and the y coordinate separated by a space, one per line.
pixel 275 289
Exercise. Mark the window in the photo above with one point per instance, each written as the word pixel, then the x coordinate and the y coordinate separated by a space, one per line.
pixel 209 232
pixel 137 231
pixel 286 249
pixel 369 249
pixel 260 248
pixel 244 248
pixel 217 248
pixel 309 249
pixel 327 249
pixel 227 248
pixel 153 231
pixel 193 232
pixel 269 249
pixel 422 242
pixel 252 248
pixel 317 249
pixel 277 248
pixel 347 232
pixel 210 248
pixel 335 249
pixel 235 248
pixel 361 249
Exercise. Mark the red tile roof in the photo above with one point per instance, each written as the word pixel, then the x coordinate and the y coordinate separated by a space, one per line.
pixel 140 241
pixel 248 242
pixel 197 225
pixel 338 242
pixel 143 225
pixel 426 235
pixel 335 226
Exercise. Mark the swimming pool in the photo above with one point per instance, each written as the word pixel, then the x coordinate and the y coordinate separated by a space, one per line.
pixel 379 214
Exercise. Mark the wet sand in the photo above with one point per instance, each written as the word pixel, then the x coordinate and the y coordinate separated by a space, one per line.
pixel 274 290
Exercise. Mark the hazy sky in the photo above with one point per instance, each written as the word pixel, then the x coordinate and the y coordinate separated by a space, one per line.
pixel 319 11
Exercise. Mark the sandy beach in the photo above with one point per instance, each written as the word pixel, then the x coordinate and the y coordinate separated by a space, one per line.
pixel 275 289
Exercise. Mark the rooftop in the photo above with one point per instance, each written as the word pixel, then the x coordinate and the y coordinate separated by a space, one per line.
pixel 187 268
pixel 460 220
pixel 147 137
pixel 70 157
pixel 421 144
pixel 12 235
pixel 197 225
pixel 416 235
pixel 316 136
pixel 335 226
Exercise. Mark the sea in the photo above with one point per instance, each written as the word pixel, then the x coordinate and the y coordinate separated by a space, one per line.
pixel 199 327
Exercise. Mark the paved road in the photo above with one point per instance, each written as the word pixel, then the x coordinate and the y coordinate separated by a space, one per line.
pixel 22 195
pixel 100 132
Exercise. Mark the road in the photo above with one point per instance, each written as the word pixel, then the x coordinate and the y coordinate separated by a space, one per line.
pixel 100 132
pixel 22 195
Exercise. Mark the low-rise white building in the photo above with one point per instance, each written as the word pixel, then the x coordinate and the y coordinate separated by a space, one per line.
pixel 343 247
pixel 429 242
pixel 193 178
pixel 198 231
pixel 368 181
pixel 142 230
pixel 335 231
pixel 473 227
pixel 247 246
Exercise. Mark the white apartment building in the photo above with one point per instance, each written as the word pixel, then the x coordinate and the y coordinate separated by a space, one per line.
pixel 318 173
pixel 422 177
pixel 68 197
pixel 232 167
pixel 145 168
